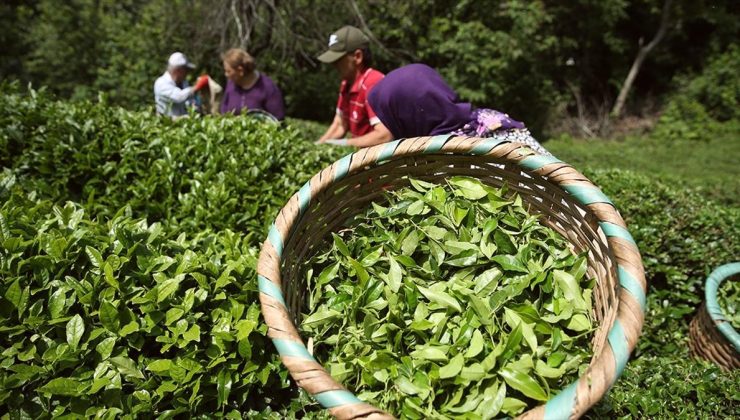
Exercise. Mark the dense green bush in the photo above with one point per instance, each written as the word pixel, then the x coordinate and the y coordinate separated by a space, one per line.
pixel 713 95
pixel 682 237
pixel 717 88
pixel 684 118
pixel 162 211
pixel 139 294
pixel 193 174
pixel 669 387
pixel 108 317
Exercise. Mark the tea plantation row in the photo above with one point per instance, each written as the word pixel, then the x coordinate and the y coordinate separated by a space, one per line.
pixel 128 247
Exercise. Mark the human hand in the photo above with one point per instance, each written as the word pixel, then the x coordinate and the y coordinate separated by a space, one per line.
pixel 201 83
pixel 337 142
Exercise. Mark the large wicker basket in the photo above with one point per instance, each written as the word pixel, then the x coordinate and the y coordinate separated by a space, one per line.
pixel 711 336
pixel 563 197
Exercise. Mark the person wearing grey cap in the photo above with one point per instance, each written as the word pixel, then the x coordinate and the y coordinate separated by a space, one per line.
pixel 172 93
pixel 349 53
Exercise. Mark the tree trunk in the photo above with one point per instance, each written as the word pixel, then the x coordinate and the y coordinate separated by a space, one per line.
pixel 641 55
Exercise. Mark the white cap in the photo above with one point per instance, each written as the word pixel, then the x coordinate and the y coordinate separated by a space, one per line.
pixel 178 59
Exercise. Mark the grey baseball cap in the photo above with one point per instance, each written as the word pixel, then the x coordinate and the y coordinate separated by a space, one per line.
pixel 346 40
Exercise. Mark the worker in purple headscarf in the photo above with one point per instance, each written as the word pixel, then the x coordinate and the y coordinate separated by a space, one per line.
pixel 414 101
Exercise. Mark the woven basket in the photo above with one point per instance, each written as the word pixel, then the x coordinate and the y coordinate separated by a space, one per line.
pixel 711 337
pixel 563 197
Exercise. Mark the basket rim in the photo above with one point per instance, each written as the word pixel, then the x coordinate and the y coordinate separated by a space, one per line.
pixel 711 288
pixel 572 400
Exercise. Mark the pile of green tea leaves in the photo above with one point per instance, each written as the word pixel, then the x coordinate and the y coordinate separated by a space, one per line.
pixel 451 300
pixel 728 296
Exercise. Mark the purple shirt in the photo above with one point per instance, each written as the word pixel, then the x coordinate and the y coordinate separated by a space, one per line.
pixel 264 95
pixel 414 101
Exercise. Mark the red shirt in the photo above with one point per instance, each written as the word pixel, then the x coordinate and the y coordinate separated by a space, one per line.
pixel 353 106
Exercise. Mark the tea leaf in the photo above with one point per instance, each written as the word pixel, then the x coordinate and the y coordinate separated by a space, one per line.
pixel 62 386
pixel 468 187
pixel 394 275
pixel 75 329
pixel 453 368
pixel 524 383
pixel 441 298
pixel 109 316
pixel 476 345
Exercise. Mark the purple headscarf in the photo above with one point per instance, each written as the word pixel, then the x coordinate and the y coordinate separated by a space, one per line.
pixel 414 101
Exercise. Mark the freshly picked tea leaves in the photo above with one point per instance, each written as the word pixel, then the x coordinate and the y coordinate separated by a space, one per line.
pixel 450 300
pixel 728 297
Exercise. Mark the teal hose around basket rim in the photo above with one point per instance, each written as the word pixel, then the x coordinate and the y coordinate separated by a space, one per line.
pixel 711 287
pixel 561 405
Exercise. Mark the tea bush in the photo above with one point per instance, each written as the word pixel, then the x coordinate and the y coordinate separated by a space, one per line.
pixel 190 174
pixel 107 317
pixel 682 237
pixel 127 250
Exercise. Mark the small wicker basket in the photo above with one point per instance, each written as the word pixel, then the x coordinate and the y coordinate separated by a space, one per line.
pixel 711 336
pixel 564 199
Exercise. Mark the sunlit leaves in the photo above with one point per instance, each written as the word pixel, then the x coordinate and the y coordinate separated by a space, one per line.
pixel 75 329
pixel 450 299
pixel 127 310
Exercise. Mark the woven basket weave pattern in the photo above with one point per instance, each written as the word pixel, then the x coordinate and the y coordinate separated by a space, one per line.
pixel 708 343
pixel 712 337
pixel 563 198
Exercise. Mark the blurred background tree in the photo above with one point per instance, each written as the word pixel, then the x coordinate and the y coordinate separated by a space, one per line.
pixel 558 66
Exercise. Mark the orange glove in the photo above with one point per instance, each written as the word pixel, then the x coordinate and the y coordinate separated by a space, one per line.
pixel 201 82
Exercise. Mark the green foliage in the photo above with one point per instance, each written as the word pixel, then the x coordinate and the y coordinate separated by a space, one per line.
pixel 728 297
pixel 712 95
pixel 450 299
pixel 140 298
pixel 671 386
pixel 708 167
pixel 310 91
pixel 522 57
pixel 15 19
pixel 717 87
pixel 64 55
pixel 193 174
pixel 686 119
pixel 682 237
pixel 131 174
pixel 105 317
pixel 309 130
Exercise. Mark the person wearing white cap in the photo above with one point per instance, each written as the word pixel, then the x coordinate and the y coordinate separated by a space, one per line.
pixel 172 93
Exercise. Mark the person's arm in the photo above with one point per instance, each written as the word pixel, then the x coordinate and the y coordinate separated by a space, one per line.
pixel 378 135
pixel 173 93
pixel 177 95
pixel 336 130
pixel 339 126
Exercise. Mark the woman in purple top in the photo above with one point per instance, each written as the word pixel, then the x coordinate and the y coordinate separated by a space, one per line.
pixel 415 101
pixel 248 89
